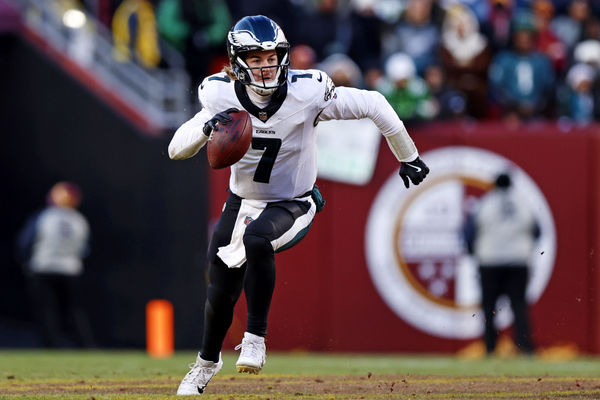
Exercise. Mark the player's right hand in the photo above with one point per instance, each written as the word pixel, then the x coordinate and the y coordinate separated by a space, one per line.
pixel 222 117
pixel 415 170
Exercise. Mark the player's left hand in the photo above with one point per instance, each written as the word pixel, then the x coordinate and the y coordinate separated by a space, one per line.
pixel 219 118
pixel 415 170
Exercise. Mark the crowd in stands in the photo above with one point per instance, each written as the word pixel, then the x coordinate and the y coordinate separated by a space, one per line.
pixel 433 59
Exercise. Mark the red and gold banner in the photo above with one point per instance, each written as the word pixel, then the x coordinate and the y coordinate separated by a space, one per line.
pixel 384 269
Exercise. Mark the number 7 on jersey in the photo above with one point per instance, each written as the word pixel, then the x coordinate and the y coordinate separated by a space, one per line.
pixel 265 165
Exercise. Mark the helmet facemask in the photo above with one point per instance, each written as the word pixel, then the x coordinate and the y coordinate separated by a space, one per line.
pixel 246 74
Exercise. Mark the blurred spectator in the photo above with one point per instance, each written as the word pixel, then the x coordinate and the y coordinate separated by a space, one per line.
pixel 302 57
pixel 522 79
pixel 365 46
pixel 481 9
pixel 407 93
pixel 578 100
pixel 463 42
pixel 591 29
pixel 415 35
pixel 325 27
pixel 569 28
pixel 342 70
pixel 501 233
pixel 367 20
pixel 588 52
pixel 561 6
pixel 283 12
pixel 466 56
pixel 51 247
pixel 373 78
pixel 547 42
pixel 197 28
pixel 449 103
pixel 497 27
pixel 134 33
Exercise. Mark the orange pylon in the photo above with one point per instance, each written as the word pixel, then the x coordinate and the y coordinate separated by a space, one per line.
pixel 159 328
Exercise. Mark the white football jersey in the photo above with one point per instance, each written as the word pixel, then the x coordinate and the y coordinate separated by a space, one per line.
pixel 281 161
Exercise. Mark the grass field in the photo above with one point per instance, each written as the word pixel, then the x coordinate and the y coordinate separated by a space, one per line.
pixel 133 375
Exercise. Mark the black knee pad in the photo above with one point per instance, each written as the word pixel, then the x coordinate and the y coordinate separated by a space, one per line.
pixel 257 245
pixel 220 299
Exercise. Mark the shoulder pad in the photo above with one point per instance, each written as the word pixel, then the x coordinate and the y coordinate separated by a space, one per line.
pixel 306 77
pixel 312 84
pixel 213 88
pixel 214 81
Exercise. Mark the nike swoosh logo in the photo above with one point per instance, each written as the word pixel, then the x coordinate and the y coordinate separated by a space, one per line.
pixel 419 169
pixel 320 78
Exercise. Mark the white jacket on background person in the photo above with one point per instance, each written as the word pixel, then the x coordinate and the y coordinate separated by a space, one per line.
pixel 60 242
pixel 505 229
pixel 55 240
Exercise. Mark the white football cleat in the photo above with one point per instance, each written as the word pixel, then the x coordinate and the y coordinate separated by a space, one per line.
pixel 200 374
pixel 253 354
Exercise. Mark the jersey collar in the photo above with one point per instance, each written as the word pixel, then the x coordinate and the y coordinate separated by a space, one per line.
pixel 262 114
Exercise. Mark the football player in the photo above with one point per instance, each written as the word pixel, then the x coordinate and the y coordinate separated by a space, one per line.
pixel 273 198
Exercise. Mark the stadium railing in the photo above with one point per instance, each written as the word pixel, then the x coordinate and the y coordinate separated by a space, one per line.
pixel 158 97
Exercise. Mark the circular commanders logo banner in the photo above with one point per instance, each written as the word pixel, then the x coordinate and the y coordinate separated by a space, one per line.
pixel 415 251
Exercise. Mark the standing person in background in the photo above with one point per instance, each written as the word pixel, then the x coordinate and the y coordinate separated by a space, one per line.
pixel 569 28
pixel 197 29
pixel 466 55
pixel 578 98
pixel 521 80
pixel 302 57
pixel 497 25
pixel 272 194
pixel 134 33
pixel 52 246
pixel 546 41
pixel 416 35
pixel 501 233
pixel 406 91
pixel 342 70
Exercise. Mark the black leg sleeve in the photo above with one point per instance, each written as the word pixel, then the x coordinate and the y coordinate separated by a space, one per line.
pixel 80 322
pixel 224 285
pixel 259 283
pixel 223 292
pixel 489 297
pixel 516 292
pixel 46 309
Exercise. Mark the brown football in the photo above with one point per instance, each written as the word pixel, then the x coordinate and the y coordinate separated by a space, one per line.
pixel 231 141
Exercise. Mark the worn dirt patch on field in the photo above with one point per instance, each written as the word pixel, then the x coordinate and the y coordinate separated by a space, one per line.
pixel 336 387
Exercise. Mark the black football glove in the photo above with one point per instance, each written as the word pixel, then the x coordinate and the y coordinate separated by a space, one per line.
pixel 416 170
pixel 219 118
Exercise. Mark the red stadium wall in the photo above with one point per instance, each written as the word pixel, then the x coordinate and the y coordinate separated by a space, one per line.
pixel 325 298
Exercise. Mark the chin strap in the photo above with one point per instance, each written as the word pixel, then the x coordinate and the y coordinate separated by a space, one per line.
pixel 262 91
